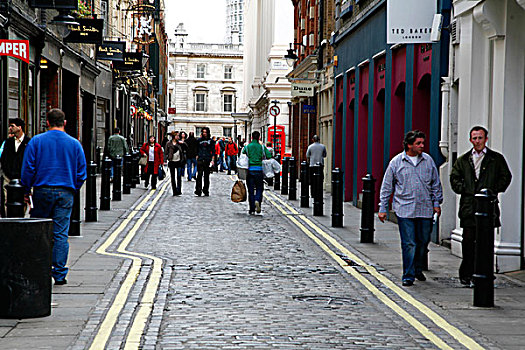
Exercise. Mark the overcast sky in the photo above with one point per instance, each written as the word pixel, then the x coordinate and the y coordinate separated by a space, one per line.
pixel 204 20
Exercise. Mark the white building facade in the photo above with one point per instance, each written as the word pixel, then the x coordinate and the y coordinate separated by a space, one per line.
pixel 234 21
pixel 486 86
pixel 205 86
pixel 268 33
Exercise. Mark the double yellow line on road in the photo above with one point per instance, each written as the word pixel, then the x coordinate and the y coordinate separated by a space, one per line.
pixel 314 232
pixel 146 304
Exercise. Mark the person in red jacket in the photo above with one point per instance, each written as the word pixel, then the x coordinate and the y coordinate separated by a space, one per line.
pixel 231 152
pixel 217 154
pixel 155 156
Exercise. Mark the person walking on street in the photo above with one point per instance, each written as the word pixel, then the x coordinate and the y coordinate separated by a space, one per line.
pixel 316 153
pixel 191 156
pixel 175 157
pixel 222 148
pixel 412 177
pixel 231 151
pixel 182 142
pixel 478 168
pixel 217 154
pixel 205 160
pixel 13 153
pixel 117 146
pixel 55 167
pixel 256 152
pixel 153 151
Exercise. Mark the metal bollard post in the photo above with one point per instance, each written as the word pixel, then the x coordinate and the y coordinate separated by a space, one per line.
pixel 292 185
pixel 74 221
pixel 484 250
pixel 98 158
pixel 135 173
pixel 284 180
pixel 117 179
pixel 277 177
pixel 337 198
pixel 127 174
pixel 317 189
pixel 15 199
pixel 305 195
pixel 2 199
pixel 105 199
pixel 91 193
pixel 367 211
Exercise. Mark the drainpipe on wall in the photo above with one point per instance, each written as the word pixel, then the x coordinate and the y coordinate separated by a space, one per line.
pixel 445 117
pixel 337 15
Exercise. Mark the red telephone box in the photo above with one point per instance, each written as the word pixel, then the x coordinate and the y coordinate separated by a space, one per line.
pixel 277 137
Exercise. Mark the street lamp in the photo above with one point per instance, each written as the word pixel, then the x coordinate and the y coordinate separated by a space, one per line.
pixel 290 56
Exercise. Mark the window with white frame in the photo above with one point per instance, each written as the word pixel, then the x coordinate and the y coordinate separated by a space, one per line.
pixel 227 131
pixel 228 72
pixel 201 71
pixel 227 105
pixel 200 101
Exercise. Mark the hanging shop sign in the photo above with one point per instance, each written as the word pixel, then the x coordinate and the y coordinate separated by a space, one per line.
pixel 88 31
pixel 54 4
pixel 409 21
pixel 301 89
pixel 131 61
pixel 172 110
pixel 111 51
pixel 16 49
pixel 144 24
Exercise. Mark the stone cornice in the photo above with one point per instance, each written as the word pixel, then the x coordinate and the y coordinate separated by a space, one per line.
pixel 491 16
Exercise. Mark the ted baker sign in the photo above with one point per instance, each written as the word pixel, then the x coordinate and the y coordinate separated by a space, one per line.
pixel 15 48
pixel 409 21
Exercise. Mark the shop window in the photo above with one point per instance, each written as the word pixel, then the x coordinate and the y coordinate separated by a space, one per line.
pixel 14 88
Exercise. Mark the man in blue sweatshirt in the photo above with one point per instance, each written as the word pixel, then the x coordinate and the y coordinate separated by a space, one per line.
pixel 55 167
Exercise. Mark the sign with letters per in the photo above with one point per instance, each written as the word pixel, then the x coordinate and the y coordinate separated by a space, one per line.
pixel 111 51
pixel 409 21
pixel 15 48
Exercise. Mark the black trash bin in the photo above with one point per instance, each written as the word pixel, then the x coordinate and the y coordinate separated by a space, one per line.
pixel 25 267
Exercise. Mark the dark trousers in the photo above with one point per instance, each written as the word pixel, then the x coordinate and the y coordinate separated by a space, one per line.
pixel 255 184
pixel 176 174
pixel 151 172
pixel 203 170
pixel 468 244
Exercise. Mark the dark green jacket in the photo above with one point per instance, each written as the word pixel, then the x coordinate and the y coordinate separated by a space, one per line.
pixel 255 150
pixel 494 175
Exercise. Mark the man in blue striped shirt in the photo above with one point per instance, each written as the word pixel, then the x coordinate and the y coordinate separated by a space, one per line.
pixel 413 178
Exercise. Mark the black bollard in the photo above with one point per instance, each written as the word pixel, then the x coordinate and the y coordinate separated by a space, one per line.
pixel 74 221
pixel 91 193
pixel 105 198
pixel 277 177
pixel 284 185
pixel 117 179
pixel 98 157
pixel 127 173
pixel 2 199
pixel 367 211
pixel 337 198
pixel 135 173
pixel 292 185
pixel 305 195
pixel 15 205
pixel 484 250
pixel 317 190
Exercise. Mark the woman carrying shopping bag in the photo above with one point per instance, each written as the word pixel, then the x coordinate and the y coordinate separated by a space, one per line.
pixel 153 151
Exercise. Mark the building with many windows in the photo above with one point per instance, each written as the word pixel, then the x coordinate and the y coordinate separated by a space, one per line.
pixel 234 21
pixel 205 85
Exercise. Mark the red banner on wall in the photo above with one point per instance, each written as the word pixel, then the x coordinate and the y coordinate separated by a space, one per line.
pixel 15 48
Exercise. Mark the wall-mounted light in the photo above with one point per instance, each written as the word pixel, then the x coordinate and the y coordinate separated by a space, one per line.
pixel 290 56
pixel 43 63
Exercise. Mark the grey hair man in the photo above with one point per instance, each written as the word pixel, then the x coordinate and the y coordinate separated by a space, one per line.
pixel 316 153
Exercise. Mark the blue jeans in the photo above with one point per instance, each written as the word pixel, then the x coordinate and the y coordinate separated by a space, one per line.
pixel 56 203
pixel 191 164
pixel 113 163
pixel 222 164
pixel 231 162
pixel 415 236
pixel 255 184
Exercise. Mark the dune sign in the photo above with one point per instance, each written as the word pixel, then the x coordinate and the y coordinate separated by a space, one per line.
pixel 15 48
